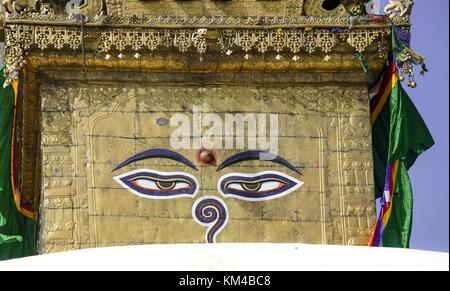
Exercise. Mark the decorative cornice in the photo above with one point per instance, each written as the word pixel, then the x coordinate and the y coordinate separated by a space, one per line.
pixel 140 41
pixel 43 29
pixel 210 22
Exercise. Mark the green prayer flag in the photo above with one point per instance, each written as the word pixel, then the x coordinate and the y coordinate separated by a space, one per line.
pixel 398 230
pixel 399 134
pixel 16 230
pixel 8 238
pixel 409 135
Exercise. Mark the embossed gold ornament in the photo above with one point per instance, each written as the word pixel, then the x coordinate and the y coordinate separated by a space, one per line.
pixel 17 6
pixel 398 8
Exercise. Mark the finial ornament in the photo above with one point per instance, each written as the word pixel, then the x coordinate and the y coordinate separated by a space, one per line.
pixel 398 8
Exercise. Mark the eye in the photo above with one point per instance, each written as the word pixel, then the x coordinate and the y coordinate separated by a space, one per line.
pixel 257 187
pixel 159 185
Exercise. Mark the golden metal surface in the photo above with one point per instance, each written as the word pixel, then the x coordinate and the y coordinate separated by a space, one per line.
pixel 89 127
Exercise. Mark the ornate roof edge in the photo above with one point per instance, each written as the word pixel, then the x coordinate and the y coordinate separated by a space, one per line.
pixel 290 42
pixel 212 22
pixel 26 30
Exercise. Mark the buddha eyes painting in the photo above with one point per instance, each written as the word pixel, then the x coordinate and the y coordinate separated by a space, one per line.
pixel 209 210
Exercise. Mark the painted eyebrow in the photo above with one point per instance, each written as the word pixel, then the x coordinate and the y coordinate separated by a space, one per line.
pixel 156 153
pixel 256 155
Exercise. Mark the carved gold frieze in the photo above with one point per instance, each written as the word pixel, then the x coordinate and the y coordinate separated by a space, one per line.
pixel 106 28
pixel 119 9
pixel 22 38
pixel 213 21
pixel 204 13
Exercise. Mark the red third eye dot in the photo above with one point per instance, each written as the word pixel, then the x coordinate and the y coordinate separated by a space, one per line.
pixel 205 157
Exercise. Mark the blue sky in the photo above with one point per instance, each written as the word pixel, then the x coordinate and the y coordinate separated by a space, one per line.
pixel 430 174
